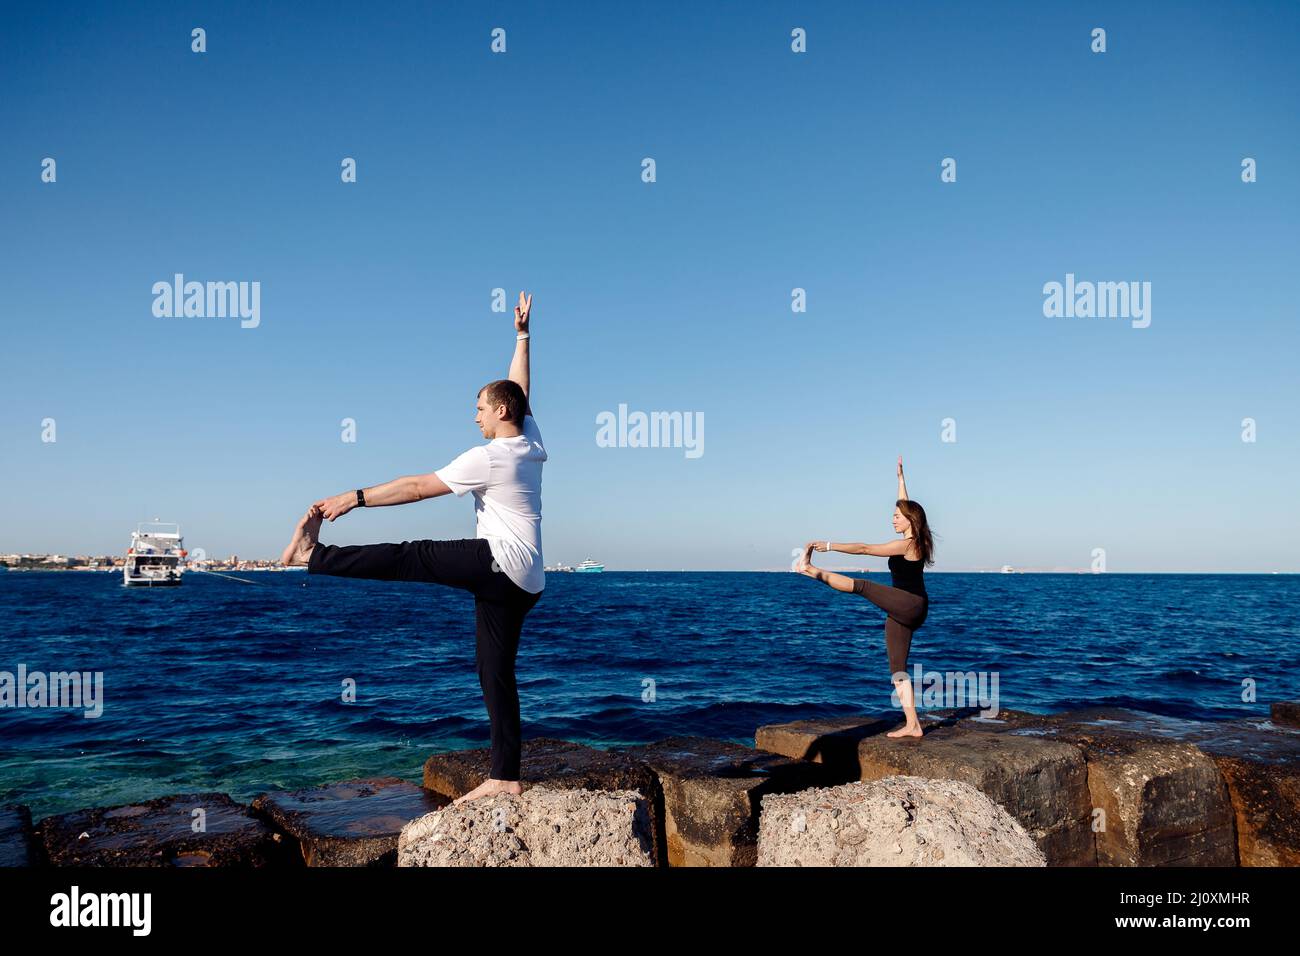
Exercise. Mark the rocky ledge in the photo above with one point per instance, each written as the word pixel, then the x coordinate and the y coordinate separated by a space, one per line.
pixel 1093 787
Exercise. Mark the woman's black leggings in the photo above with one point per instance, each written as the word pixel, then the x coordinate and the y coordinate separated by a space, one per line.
pixel 907 612
pixel 499 609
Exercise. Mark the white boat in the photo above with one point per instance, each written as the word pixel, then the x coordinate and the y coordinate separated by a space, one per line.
pixel 588 566
pixel 155 555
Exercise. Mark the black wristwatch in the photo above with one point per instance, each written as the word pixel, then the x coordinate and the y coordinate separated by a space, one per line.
pixel 361 498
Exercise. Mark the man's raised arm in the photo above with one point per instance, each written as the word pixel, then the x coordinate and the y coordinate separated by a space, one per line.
pixel 519 364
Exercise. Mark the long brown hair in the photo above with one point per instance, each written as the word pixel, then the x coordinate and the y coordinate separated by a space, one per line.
pixel 915 516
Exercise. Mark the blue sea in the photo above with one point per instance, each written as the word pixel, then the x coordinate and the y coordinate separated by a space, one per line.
pixel 237 685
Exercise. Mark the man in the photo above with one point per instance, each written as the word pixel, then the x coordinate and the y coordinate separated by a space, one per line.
pixel 502 567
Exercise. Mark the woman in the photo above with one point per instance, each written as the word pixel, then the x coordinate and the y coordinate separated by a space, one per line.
pixel 906 602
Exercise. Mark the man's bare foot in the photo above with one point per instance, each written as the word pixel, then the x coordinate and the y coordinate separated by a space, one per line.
pixel 907 730
pixel 305 538
pixel 489 787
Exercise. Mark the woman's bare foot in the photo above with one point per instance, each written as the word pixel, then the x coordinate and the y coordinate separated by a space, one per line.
pixel 907 730
pixel 305 538
pixel 490 787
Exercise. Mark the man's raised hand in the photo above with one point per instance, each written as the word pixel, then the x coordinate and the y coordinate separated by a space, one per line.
pixel 521 312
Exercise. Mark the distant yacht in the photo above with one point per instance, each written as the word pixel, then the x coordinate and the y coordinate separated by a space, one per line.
pixel 1008 569
pixel 589 566
pixel 154 557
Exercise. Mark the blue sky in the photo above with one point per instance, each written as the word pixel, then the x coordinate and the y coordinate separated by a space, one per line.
pixel 774 171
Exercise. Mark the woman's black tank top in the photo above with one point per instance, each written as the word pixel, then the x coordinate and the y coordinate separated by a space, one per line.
pixel 907 575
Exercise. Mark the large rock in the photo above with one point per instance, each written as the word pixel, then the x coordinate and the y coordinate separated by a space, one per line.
pixel 541 827
pixel 1258 760
pixel 1285 713
pixel 18 844
pixel 1044 787
pixel 1260 764
pixel 351 823
pixel 711 793
pixel 1160 784
pixel 1266 809
pixel 895 821
pixel 1042 783
pixel 1165 804
pixel 161 833
pixel 831 741
pixel 1155 772
pixel 558 764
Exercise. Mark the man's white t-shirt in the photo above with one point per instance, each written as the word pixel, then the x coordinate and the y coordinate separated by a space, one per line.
pixel 506 478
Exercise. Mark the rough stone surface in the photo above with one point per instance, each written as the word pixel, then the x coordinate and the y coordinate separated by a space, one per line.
pixel 1258 760
pixel 1266 809
pixel 1253 739
pixel 969 718
pixel 894 821
pixel 1042 783
pixel 711 793
pixel 558 764
pixel 541 827
pixel 159 833
pixel 18 844
pixel 832 741
pixel 1285 713
pixel 350 823
pixel 1165 804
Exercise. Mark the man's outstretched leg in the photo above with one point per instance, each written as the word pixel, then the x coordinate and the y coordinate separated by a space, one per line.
pixel 459 563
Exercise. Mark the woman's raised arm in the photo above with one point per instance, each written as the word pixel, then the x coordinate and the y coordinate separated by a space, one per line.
pixel 856 547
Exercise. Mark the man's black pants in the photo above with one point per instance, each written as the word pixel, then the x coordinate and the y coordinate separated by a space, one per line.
pixel 499 609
